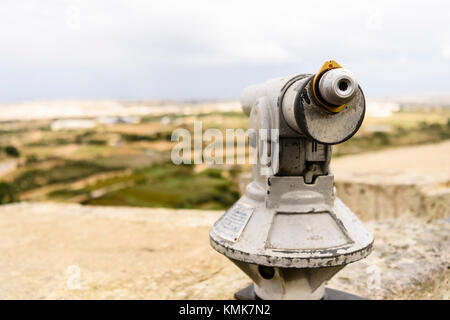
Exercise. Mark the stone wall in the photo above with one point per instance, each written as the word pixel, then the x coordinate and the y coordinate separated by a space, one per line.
pixel 411 182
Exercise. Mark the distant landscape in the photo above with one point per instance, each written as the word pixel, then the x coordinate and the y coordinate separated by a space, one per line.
pixel 118 153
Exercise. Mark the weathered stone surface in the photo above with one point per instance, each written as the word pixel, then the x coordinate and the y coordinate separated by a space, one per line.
pixel 135 253
pixel 410 260
pixel 412 181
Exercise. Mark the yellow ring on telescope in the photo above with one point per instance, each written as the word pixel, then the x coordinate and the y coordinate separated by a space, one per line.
pixel 327 65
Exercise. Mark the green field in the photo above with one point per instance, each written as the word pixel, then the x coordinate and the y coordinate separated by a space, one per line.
pixel 129 164
pixel 162 185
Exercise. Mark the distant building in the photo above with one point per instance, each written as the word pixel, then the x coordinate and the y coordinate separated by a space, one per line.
pixel 165 120
pixel 110 120
pixel 375 108
pixel 72 124
pixel 129 119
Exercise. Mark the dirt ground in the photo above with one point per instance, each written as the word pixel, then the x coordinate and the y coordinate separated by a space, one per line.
pixel 421 164
pixel 66 251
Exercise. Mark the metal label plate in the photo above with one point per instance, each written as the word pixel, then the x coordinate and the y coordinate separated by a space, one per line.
pixel 233 222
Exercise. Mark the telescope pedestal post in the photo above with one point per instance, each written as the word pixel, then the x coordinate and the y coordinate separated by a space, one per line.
pixel 248 294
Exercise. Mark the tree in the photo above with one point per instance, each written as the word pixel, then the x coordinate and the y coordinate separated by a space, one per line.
pixel 7 193
pixel 12 151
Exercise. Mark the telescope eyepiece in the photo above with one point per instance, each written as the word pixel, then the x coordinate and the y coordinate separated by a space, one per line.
pixel 337 86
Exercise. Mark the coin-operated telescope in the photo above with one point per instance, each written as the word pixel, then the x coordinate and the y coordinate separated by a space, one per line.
pixel 289 232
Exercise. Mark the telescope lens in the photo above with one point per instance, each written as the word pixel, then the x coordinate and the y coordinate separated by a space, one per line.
pixel 343 85
pixel 337 86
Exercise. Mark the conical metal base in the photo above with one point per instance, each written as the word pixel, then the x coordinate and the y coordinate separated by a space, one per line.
pixel 291 239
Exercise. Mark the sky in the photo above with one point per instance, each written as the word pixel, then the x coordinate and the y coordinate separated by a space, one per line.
pixel 211 49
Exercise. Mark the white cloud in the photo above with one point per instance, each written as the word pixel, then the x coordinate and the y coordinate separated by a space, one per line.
pixel 446 51
pixel 402 60
pixel 129 35
pixel 223 31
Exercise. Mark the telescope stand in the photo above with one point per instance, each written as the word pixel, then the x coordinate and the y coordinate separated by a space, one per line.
pixel 248 293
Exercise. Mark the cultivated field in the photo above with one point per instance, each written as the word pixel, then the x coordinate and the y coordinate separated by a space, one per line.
pixel 126 161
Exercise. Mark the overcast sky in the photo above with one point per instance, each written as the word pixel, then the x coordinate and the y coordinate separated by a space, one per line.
pixel 207 49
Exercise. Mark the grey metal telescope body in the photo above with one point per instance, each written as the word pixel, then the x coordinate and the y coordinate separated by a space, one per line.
pixel 289 232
